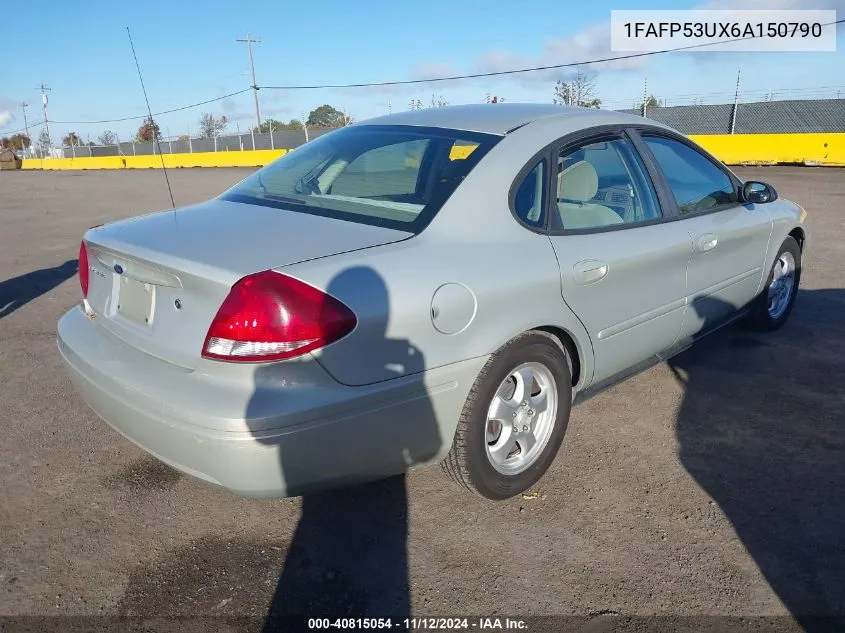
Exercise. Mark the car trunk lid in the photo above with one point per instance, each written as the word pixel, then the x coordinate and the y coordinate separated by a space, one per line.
pixel 158 280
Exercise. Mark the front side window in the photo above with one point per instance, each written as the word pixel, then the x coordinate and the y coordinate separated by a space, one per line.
pixel 603 184
pixel 392 176
pixel 696 182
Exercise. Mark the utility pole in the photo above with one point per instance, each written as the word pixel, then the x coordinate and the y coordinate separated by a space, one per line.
pixel 44 90
pixel 249 42
pixel 25 124
pixel 645 96
pixel 736 102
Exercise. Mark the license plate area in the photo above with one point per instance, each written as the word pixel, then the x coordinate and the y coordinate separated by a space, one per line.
pixel 136 301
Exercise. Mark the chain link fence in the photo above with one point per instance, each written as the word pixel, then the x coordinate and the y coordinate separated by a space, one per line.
pixel 186 144
pixel 760 117
pixel 763 117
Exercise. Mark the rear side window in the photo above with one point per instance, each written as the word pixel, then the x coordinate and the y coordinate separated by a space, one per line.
pixel 697 183
pixel 392 176
pixel 529 201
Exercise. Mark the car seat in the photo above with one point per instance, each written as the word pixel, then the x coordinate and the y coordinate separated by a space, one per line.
pixel 576 186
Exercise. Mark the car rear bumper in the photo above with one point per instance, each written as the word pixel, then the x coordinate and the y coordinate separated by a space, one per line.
pixel 265 436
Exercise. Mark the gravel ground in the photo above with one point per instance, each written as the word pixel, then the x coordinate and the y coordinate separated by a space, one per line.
pixel 710 485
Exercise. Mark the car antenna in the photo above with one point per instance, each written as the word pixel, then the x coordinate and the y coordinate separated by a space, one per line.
pixel 150 112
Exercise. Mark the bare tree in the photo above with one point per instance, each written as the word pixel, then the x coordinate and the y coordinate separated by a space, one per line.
pixel 438 101
pixel 579 91
pixel 107 138
pixel 211 126
pixel 16 141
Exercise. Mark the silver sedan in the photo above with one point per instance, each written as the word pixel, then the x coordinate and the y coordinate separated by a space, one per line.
pixel 432 286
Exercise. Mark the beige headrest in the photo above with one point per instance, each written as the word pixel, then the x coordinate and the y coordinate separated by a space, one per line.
pixel 578 182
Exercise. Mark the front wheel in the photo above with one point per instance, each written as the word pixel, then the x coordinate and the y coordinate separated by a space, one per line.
pixel 772 306
pixel 514 419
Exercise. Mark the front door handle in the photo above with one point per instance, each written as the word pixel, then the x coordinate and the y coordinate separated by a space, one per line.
pixel 706 242
pixel 589 271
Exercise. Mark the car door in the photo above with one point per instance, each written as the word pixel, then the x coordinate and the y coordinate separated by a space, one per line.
pixel 622 265
pixel 729 240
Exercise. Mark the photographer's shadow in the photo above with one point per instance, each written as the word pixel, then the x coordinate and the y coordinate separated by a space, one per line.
pixel 348 555
pixel 762 430
pixel 18 291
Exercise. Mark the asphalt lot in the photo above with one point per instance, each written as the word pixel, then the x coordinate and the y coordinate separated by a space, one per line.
pixel 711 485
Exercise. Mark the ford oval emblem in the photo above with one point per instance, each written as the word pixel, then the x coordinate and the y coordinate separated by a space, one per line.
pixel 118 269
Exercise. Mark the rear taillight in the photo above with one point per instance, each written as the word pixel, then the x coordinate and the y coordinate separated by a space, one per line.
pixel 83 268
pixel 270 316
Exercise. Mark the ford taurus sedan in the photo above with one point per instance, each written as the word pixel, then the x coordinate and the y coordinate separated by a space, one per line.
pixel 432 286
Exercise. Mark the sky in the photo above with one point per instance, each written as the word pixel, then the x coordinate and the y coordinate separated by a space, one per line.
pixel 188 53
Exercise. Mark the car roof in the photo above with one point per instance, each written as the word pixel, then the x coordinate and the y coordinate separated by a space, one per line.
pixel 500 118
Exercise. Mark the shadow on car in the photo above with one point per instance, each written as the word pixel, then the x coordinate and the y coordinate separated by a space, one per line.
pixel 348 555
pixel 18 291
pixel 761 430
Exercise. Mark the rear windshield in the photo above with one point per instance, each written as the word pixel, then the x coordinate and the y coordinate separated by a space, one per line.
pixel 392 176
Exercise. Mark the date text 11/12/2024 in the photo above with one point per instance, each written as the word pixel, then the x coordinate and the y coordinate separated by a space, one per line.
pixel 417 624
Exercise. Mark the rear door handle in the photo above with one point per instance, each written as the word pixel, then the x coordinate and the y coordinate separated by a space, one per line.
pixel 589 271
pixel 706 242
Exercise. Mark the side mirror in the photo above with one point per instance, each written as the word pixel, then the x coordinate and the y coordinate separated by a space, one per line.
pixel 758 192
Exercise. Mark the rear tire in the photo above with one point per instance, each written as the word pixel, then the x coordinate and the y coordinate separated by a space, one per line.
pixel 514 419
pixel 772 306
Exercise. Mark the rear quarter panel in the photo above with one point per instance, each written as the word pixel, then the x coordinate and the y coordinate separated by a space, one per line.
pixel 494 290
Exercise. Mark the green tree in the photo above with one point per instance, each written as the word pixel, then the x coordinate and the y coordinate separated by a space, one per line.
pixel 278 126
pixel 107 138
pixel 211 126
pixel 44 141
pixel 148 132
pixel 327 116
pixel 651 102
pixel 72 138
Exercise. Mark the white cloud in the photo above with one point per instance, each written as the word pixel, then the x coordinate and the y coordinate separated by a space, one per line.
pixel 778 5
pixel 586 45
pixel 593 43
pixel 6 117
pixel 430 70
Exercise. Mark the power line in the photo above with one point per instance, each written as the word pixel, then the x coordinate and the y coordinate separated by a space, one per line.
pixel 23 129
pixel 135 118
pixel 683 99
pixel 516 71
pixel 416 81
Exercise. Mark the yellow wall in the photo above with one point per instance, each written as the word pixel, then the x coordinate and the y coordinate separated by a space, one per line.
pixel 250 158
pixel 734 149
pixel 810 149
